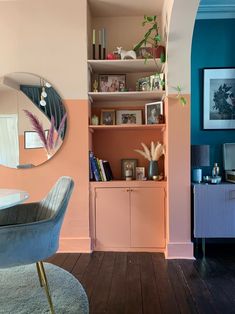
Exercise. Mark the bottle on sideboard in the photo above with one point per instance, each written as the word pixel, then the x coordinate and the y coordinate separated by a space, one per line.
pixel 215 170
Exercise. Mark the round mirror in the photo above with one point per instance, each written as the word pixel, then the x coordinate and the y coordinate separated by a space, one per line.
pixel 32 120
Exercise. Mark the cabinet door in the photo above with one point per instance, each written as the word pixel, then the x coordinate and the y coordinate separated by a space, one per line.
pixel 214 211
pixel 147 217
pixel 112 218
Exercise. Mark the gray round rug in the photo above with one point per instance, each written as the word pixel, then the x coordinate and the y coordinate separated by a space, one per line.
pixel 21 293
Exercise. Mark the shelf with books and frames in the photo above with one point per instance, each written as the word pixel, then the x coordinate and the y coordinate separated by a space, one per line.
pixel 126 94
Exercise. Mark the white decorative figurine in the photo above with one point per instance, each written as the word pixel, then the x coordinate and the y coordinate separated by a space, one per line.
pixel 126 54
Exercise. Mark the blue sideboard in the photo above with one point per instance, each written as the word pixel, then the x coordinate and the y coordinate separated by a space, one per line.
pixel 214 211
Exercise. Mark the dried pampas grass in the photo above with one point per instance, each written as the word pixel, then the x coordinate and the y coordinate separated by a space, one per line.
pixel 154 153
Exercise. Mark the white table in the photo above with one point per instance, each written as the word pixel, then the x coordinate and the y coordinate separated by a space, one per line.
pixel 9 198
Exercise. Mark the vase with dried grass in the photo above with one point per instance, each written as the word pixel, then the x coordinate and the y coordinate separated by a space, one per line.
pixel 152 155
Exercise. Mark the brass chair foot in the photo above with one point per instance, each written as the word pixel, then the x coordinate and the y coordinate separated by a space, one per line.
pixel 44 283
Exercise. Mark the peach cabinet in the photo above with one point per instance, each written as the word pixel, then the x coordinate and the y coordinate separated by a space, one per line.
pixel 128 216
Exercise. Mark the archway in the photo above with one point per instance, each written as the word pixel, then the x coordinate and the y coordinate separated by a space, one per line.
pixel 178 22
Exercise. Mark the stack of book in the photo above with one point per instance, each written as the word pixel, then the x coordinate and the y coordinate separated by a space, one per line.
pixel 100 170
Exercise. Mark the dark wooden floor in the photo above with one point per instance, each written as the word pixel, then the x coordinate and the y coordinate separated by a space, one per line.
pixel 134 283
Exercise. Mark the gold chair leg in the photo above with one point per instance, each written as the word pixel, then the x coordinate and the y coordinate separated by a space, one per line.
pixel 44 283
pixel 39 275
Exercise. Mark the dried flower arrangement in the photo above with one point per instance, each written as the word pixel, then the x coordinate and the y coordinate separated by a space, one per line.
pixel 50 143
pixel 154 153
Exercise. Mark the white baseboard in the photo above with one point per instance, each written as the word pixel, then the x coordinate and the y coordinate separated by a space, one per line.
pixel 75 245
pixel 180 250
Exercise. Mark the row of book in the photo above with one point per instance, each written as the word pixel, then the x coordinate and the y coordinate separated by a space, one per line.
pixel 100 170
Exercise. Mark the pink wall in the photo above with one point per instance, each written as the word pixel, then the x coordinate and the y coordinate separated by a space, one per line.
pixel 35 156
pixel 178 180
pixel 71 160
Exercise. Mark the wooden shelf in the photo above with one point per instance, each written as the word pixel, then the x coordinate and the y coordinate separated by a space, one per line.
pixel 126 96
pixel 124 183
pixel 125 66
pixel 125 127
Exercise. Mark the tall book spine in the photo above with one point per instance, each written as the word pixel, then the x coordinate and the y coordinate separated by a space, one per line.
pixel 91 174
pixel 108 170
pixel 99 168
pixel 102 170
pixel 94 168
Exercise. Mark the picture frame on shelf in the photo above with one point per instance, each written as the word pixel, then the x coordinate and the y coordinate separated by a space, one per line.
pixel 111 83
pixel 127 164
pixel 219 99
pixel 153 82
pixel 154 113
pixel 107 117
pixel 129 116
pixel 157 82
pixel 140 173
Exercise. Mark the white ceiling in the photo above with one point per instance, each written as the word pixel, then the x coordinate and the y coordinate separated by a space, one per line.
pixel 125 7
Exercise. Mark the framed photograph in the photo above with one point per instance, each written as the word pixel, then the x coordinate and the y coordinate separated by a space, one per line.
pixel 32 140
pixel 107 116
pixel 157 81
pixel 129 116
pixel 112 83
pixel 154 112
pixel 140 173
pixel 143 84
pixel 219 99
pixel 128 164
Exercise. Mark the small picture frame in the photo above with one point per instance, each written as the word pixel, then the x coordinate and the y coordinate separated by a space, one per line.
pixel 140 173
pixel 112 83
pixel 130 163
pixel 32 140
pixel 154 113
pixel 129 116
pixel 157 81
pixel 107 117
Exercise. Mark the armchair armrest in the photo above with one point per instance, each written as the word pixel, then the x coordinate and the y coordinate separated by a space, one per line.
pixel 19 214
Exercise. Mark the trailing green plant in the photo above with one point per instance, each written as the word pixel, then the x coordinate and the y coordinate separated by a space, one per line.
pixel 180 96
pixel 152 36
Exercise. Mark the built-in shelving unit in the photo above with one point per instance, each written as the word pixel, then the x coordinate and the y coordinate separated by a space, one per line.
pixel 135 207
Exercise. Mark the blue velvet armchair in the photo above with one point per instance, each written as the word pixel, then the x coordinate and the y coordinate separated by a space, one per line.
pixel 29 233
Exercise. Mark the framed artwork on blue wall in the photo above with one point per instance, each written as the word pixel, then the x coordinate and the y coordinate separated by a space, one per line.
pixel 219 99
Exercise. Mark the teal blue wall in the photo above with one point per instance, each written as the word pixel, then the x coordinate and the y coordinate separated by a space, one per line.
pixel 213 46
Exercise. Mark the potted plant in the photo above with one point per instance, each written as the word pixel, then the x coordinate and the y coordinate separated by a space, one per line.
pixel 151 40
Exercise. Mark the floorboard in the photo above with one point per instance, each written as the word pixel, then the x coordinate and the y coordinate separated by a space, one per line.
pixel 146 283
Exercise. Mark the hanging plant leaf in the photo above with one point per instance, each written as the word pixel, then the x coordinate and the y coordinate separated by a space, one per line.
pixel 150 18
pixel 158 38
pixel 183 101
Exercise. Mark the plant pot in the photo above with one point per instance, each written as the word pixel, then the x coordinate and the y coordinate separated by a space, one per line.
pixel 151 52
pixel 153 169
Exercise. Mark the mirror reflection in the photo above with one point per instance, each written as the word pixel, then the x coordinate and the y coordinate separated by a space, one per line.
pixel 32 120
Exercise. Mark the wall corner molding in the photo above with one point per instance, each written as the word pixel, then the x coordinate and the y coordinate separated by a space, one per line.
pixel 75 245
pixel 179 250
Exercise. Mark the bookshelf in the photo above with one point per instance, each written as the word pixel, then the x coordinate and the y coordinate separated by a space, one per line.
pixel 116 142
pixel 117 205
